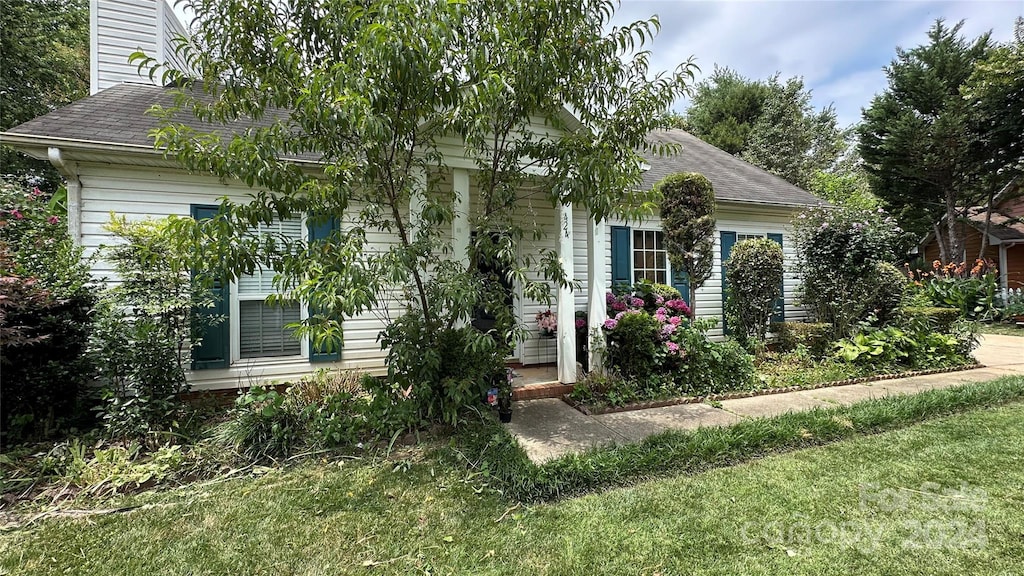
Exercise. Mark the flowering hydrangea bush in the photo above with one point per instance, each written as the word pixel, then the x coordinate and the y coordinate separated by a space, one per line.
pixel 654 343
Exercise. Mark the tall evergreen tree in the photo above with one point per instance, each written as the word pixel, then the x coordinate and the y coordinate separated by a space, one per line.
pixel 918 144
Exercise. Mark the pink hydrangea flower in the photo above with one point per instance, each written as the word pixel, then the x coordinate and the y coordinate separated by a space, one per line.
pixel 675 320
pixel 609 298
pixel 659 300
pixel 668 329
pixel 620 315
pixel 638 302
pixel 661 318
pixel 618 306
pixel 610 324
pixel 661 311
pixel 672 347
pixel 581 323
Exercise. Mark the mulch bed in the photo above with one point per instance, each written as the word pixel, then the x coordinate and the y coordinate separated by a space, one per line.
pixel 596 410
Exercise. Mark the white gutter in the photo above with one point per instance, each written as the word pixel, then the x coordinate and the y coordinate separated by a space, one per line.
pixel 74 186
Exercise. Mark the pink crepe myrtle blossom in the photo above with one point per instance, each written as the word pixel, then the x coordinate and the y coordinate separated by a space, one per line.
pixel 610 324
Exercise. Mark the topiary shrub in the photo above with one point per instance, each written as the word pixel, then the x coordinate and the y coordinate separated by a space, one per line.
pixel 688 221
pixel 814 336
pixel 754 272
pixel 634 345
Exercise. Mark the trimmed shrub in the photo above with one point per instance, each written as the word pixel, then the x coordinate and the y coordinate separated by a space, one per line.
pixel 886 288
pixel 754 272
pixel 814 336
pixel 939 319
pixel 688 220
pixel 634 345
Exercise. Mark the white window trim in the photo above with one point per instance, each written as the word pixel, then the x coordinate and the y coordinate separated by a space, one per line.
pixel 234 323
pixel 632 267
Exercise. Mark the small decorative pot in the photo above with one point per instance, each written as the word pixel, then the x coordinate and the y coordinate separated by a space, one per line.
pixel 505 409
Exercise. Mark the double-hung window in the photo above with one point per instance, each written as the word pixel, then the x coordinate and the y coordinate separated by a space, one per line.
pixel 650 259
pixel 260 331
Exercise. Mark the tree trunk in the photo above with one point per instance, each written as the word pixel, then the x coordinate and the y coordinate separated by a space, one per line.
pixel 956 244
pixel 693 300
pixel 988 224
pixel 943 244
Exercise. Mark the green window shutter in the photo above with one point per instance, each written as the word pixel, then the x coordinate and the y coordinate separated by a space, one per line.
pixel 681 282
pixel 728 239
pixel 319 231
pixel 214 351
pixel 780 304
pixel 622 271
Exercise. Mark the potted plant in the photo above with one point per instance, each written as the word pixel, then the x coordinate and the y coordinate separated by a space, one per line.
pixel 547 323
pixel 500 394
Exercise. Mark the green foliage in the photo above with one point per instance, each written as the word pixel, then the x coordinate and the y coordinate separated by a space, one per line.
pixel 915 342
pixel 939 319
pixel 754 271
pixel 262 425
pixel 688 220
pixel 917 139
pixel 45 318
pixel 885 291
pixel 45 47
pixel 432 376
pixel 850 189
pixel 145 327
pixel 790 139
pixel 815 337
pixel 724 109
pixel 839 252
pixel 635 348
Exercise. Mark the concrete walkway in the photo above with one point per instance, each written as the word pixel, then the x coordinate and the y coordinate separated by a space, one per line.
pixel 549 428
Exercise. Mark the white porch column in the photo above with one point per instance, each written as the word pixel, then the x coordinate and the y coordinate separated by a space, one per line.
pixel 460 221
pixel 566 312
pixel 597 278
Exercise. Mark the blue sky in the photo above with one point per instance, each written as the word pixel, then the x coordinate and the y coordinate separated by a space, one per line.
pixel 838 47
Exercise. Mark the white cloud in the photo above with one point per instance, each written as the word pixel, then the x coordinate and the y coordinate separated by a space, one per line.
pixel 839 47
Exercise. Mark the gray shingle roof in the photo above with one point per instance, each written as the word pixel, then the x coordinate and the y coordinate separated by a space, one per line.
pixel 117 115
pixel 734 180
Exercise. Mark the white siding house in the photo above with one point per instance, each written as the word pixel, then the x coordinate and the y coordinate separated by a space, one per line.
pixel 101 145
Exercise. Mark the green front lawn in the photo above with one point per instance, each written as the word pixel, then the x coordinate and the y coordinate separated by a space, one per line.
pixel 419 515
pixel 1004 328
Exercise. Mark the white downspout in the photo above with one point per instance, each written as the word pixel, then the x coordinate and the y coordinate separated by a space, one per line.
pixel 69 170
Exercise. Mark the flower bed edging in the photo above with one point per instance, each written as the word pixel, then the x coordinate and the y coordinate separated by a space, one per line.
pixel 595 411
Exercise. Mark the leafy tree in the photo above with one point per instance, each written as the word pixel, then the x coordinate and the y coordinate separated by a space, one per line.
pixel 688 219
pixel 45 51
pixel 725 108
pixel 790 139
pixel 995 97
pixel 372 89
pixel 770 124
pixel 917 141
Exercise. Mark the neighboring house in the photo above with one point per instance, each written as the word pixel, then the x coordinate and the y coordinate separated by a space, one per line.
pixel 101 145
pixel 1005 236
